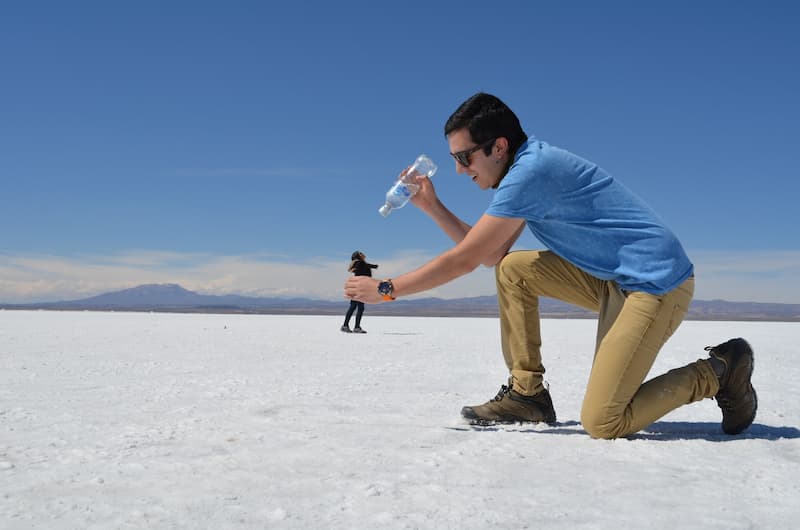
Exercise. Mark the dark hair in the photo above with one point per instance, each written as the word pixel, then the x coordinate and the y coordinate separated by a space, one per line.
pixel 356 255
pixel 486 117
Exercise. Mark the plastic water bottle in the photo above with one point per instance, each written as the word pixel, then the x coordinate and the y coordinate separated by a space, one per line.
pixel 405 187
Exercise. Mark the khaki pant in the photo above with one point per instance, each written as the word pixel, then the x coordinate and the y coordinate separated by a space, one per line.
pixel 632 328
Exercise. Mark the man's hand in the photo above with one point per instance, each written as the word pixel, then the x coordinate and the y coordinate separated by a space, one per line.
pixel 363 289
pixel 425 199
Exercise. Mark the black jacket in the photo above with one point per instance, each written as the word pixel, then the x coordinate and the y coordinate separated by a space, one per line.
pixel 359 267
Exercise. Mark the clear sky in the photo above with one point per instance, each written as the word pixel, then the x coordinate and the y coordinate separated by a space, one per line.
pixel 245 147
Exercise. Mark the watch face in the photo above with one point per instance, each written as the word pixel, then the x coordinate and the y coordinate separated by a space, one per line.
pixel 385 288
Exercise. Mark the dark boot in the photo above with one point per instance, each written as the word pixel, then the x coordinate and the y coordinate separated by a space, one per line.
pixel 736 396
pixel 509 406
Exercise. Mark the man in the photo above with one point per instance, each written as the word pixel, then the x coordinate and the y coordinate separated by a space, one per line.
pixel 607 252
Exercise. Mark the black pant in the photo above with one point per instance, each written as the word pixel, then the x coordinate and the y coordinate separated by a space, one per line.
pixel 353 306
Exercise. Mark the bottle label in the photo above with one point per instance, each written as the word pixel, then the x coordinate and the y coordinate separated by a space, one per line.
pixel 401 191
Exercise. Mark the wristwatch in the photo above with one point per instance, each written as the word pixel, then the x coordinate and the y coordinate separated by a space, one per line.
pixel 385 288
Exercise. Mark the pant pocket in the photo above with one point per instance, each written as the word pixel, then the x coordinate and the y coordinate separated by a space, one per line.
pixel 675 319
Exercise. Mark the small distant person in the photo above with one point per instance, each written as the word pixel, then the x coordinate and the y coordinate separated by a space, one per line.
pixel 359 267
pixel 607 251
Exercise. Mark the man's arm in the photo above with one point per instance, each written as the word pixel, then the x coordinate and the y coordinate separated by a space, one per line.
pixel 426 200
pixel 479 245
pixel 456 229
pixel 451 225
pixel 494 258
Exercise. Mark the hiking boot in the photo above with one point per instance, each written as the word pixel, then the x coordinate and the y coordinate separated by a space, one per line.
pixel 358 329
pixel 509 406
pixel 736 396
pixel 345 328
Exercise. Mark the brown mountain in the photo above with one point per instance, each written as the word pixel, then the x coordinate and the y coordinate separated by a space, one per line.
pixel 174 298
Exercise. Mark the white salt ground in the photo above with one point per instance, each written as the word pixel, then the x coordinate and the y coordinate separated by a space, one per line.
pixel 133 420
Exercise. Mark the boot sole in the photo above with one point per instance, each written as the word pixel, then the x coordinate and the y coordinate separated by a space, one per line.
pixel 492 423
pixel 740 428
pixel 473 419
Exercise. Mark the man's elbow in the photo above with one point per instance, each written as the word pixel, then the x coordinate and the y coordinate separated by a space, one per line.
pixel 493 260
pixel 463 265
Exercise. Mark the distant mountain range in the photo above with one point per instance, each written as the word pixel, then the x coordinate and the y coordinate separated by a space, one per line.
pixel 174 298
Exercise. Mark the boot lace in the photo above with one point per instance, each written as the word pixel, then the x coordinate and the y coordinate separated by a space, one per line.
pixel 505 389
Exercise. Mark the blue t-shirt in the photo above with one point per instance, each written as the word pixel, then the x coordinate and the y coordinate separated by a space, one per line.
pixel 591 220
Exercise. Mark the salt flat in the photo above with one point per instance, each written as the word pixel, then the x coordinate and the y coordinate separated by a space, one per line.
pixel 137 420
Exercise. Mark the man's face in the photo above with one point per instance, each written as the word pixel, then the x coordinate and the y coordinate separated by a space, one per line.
pixel 485 170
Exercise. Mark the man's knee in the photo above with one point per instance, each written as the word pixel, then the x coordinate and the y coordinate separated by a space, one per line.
pixel 601 424
pixel 516 266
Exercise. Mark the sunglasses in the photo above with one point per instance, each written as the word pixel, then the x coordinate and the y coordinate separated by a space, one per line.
pixel 462 157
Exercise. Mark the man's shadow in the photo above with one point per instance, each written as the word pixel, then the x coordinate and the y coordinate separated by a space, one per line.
pixel 664 431
pixel 712 432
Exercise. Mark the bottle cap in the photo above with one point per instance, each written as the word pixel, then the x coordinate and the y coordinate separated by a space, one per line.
pixel 385 210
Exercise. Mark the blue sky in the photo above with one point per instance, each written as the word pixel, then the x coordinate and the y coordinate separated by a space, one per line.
pixel 245 147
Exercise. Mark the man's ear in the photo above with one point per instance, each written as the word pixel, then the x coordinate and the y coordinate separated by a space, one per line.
pixel 500 146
